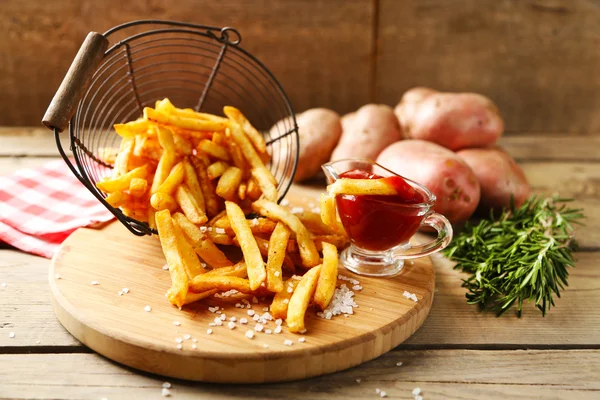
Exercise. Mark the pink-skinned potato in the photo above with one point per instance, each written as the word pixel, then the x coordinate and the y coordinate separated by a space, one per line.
pixel 499 176
pixel 440 170
pixel 453 120
pixel 366 132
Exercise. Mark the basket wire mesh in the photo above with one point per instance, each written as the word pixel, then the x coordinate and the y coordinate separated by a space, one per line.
pixel 195 66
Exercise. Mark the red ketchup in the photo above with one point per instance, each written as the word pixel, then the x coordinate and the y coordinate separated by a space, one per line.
pixel 376 222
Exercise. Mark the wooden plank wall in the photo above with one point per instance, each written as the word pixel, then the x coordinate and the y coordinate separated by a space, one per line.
pixel 537 59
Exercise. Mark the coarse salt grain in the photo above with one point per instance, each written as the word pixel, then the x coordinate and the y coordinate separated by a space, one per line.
pixel 243 321
pixel 377 390
pixel 258 328
pixel 209 331
pixel 302 340
pixel 203 229
pixel 290 290
pixel 218 312
pixel 285 202
pixel 187 336
pixel 179 346
pixel 213 309
pixel 297 210
pixel 165 392
pixel 357 287
pixel 11 335
pixel 212 324
pixel 341 303
pixel 268 331
pixel 250 313
pixel 194 346
pixel 276 273
pixel 93 283
pixel 220 230
pixel 286 301
pixel 288 342
pixel 176 323
pixel 238 305
pixel 166 385
pixel 278 321
pixel 358 380
pixel 231 325
pixel 223 317
pixel 382 394
pixel 277 329
pixel 178 340
pixel 265 308
pixel 218 321
pixel 303 331
pixel 233 319
pixel 147 308
pixel 256 317
pixel 57 276
pixel 195 340
pixel 399 364
pixel 125 290
pixel 120 293
pixel 416 391
pixel 249 334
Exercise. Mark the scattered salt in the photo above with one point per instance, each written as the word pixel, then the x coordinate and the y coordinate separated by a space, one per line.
pixel 382 394
pixel 250 334
pixel 165 267
pixel 303 331
pixel 243 321
pixel 120 293
pixel 288 342
pixel 358 380
pixel 166 385
pixel 187 336
pixel 213 309
pixel 57 276
pixel 223 317
pixel 416 391
pixel 203 229
pixel 178 340
pixel 341 303
pixel 399 364
pixel 285 202
pixel 302 340
pixel 256 317
pixel 209 331
pixel 165 392
pixel 286 301
pixel 218 321
pixel 297 210
pixel 147 308
pixel 194 346
pixel 357 287
pixel 278 321
pixel 233 319
pixel 125 290
pixel 231 325
pixel 258 328
pixel 377 390
pixel 265 345
pixel 176 323
pixel 220 230
pixel 277 329
pixel 195 340
pixel 179 346
pixel 250 313
pixel 212 324
pixel 11 335
pixel 93 283
pixel 268 331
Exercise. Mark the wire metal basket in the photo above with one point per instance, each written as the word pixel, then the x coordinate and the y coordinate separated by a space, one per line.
pixel 195 66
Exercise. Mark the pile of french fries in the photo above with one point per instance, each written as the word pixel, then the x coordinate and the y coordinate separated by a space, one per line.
pixel 200 180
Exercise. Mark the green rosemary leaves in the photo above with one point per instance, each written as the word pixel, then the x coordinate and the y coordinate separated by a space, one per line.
pixel 524 254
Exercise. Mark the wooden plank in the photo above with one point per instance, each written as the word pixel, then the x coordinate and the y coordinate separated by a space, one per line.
pixel 305 44
pixel 575 322
pixel 531 57
pixel 448 374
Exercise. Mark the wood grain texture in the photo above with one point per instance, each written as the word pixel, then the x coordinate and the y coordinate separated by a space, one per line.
pixel 531 57
pixel 440 374
pixel 119 328
pixel 306 44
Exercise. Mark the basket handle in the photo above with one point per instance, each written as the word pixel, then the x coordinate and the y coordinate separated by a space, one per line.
pixel 76 81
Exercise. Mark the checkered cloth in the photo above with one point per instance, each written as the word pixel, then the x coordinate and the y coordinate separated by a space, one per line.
pixel 40 207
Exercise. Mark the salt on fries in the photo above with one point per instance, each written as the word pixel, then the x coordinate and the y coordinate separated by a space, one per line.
pixel 195 177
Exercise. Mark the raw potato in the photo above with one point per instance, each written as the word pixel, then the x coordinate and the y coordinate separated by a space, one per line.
pixel 439 170
pixel 319 130
pixel 453 120
pixel 499 177
pixel 367 132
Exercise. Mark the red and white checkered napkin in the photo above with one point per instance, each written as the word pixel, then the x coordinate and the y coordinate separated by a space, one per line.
pixel 40 207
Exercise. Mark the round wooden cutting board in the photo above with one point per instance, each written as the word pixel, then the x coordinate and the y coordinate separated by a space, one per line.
pixel 119 328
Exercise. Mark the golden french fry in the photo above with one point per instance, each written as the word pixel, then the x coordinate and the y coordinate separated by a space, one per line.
pixel 242 190
pixel 220 238
pixel 253 191
pixel 202 283
pixel 138 187
pixel 237 158
pixel 213 204
pixel 132 128
pixel 308 251
pixel 182 146
pixel 192 297
pixel 269 190
pixel 228 184
pixel 257 225
pixel 141 214
pixel 163 201
pixel 202 245
pixel 191 263
pixel 277 247
pixel 122 182
pixel 168 241
pixel 300 299
pixel 327 277
pixel 339 241
pixel 189 206
pixel 279 306
pixel 359 187
pixel 108 154
pixel 167 159
pixel 240 270
pixel 173 180
pixel 314 223
pixel 263 246
pixel 121 166
pixel 216 169
pixel 255 137
pixel 191 180
pixel 329 213
pixel 219 138
pixel 183 122
pixel 166 106
pixel 213 149
pixel 252 256
pixel 117 199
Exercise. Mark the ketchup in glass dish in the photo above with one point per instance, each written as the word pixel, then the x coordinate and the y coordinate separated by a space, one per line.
pixel 378 222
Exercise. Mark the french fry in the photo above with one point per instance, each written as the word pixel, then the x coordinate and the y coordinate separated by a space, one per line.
pixel 137 213
pixel 308 251
pixel 242 190
pixel 189 206
pixel 138 187
pixel 339 241
pixel 192 297
pixel 163 201
pixel 132 128
pixel 122 182
pixel 117 198
pixel 202 283
pixel 255 137
pixel 257 225
pixel 216 169
pixel 359 187
pixel 220 238
pixel 168 241
pixel 237 158
pixel 252 256
pixel 213 149
pixel 315 224
pixel 329 213
pixel 173 180
pixel 213 205
pixel 182 146
pixel 202 245
pixel 167 159
pixel 240 270
pixel 300 299
pixel 277 247
pixel 253 191
pixel 191 263
pixel 219 138
pixel 166 106
pixel 327 277
pixel 279 306
pixel 183 122
pixel 191 180
pixel 121 166
pixel 263 176
pixel 228 184
pixel 263 246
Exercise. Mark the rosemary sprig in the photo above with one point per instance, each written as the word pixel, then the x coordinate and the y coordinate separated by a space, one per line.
pixel 524 254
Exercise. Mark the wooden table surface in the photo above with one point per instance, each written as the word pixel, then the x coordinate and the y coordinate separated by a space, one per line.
pixel 459 353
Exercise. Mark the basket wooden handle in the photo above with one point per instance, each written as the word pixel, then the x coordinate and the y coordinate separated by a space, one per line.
pixel 76 81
